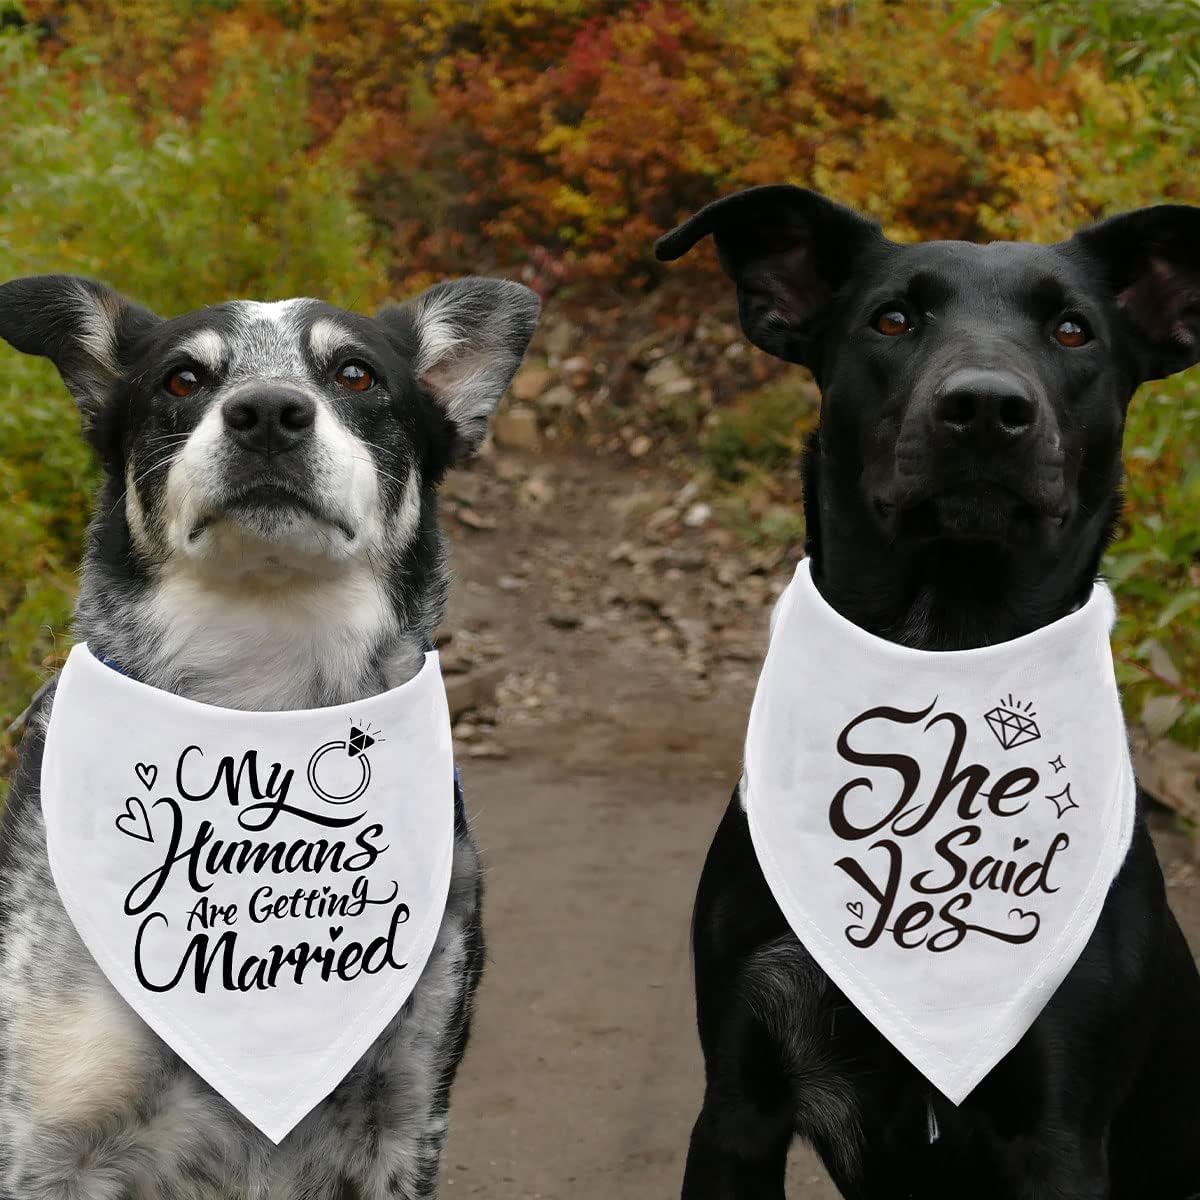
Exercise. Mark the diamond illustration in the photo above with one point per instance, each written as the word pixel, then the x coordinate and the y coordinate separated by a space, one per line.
pixel 1013 724
pixel 360 742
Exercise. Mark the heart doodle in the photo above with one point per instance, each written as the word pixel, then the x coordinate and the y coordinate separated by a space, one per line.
pixel 855 908
pixel 134 822
pixel 147 773
pixel 335 931
pixel 1022 914
pixel 1020 843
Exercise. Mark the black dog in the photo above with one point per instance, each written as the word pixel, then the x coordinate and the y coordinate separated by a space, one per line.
pixel 960 490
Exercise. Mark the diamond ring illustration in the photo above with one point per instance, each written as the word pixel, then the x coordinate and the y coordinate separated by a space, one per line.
pixel 355 747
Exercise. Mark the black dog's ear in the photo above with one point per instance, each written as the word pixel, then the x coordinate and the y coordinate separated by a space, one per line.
pixel 83 327
pixel 1151 261
pixel 788 250
pixel 466 339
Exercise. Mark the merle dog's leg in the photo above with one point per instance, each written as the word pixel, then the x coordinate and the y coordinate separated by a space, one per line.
pixel 418 1180
pixel 389 1119
pixel 416 1177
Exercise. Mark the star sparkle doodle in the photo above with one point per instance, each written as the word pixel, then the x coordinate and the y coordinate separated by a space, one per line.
pixel 1063 801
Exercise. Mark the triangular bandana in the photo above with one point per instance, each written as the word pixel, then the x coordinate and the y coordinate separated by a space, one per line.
pixel 940 829
pixel 263 889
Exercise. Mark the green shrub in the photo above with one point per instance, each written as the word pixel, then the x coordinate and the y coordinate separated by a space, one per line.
pixel 753 450
pixel 1155 562
pixel 178 214
pixel 46 476
pixel 765 430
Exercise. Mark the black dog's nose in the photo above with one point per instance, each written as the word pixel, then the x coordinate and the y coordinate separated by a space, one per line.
pixel 990 406
pixel 271 421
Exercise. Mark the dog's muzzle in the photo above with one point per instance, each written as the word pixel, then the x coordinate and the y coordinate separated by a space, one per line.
pixel 269 421
pixel 989 411
pixel 269 465
pixel 980 458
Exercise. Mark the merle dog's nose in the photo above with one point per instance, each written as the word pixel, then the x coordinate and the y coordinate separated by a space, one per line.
pixel 270 421
pixel 991 407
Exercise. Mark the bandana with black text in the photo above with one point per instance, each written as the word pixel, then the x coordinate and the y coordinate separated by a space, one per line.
pixel 263 888
pixel 940 829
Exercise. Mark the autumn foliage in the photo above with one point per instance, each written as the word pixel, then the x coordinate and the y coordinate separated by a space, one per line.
pixel 485 133
pixel 189 150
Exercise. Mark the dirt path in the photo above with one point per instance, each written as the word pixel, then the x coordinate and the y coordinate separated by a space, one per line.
pixel 629 682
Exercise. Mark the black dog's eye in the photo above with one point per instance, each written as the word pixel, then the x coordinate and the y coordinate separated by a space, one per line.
pixel 1072 332
pixel 181 383
pixel 893 322
pixel 354 377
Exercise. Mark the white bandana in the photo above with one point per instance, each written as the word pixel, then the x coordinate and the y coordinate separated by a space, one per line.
pixel 940 829
pixel 264 889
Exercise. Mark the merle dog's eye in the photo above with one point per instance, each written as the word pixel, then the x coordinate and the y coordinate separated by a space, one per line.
pixel 181 383
pixel 1072 332
pixel 354 377
pixel 893 322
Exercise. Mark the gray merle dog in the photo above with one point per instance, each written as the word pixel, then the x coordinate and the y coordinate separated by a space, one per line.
pixel 266 538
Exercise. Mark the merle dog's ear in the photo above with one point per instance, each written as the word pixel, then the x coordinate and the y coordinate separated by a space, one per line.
pixel 1151 261
pixel 466 339
pixel 788 250
pixel 84 328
